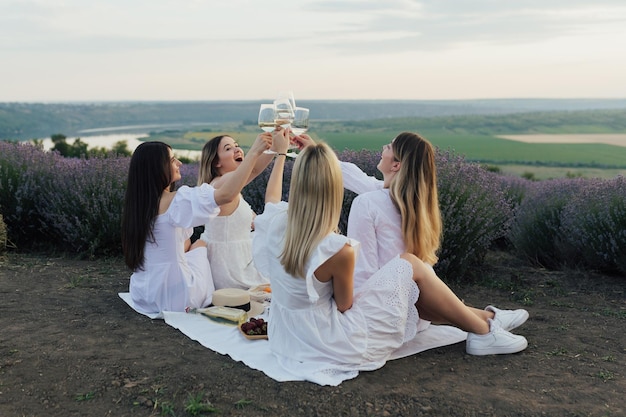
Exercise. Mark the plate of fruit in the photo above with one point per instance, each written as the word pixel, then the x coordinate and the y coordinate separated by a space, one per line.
pixel 254 329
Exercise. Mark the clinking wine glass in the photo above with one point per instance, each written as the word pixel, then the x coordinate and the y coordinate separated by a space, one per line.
pixel 287 95
pixel 300 122
pixel 267 120
pixel 284 112
pixel 267 117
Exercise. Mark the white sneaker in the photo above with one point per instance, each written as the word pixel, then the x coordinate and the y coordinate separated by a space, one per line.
pixel 498 341
pixel 509 319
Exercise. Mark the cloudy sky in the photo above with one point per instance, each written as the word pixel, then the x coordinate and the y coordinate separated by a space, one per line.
pixel 91 50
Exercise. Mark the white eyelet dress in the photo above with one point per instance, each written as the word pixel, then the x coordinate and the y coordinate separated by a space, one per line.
pixel 229 249
pixel 309 336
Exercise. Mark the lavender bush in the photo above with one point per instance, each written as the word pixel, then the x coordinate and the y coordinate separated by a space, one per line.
pixel 254 193
pixel 593 226
pixel 536 228
pixel 24 171
pixel 514 188
pixel 189 174
pixel 475 211
pixel 86 216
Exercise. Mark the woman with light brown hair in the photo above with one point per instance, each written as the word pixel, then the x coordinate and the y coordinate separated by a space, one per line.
pixel 228 236
pixel 401 216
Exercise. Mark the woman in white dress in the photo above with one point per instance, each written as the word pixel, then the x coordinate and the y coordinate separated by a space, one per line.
pixel 401 214
pixel 170 274
pixel 228 236
pixel 317 326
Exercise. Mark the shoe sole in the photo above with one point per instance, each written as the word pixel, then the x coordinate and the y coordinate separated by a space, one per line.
pixel 500 351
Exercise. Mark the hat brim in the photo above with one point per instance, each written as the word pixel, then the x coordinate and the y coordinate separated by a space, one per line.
pixel 256 309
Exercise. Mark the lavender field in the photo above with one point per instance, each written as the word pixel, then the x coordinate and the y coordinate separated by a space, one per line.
pixel 73 205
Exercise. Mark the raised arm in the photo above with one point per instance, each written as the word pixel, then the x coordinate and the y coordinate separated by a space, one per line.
pixel 357 181
pixel 261 163
pixel 232 186
pixel 264 160
pixel 280 142
pixel 354 179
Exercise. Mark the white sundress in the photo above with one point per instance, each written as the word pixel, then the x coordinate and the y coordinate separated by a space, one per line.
pixel 309 336
pixel 173 279
pixel 229 249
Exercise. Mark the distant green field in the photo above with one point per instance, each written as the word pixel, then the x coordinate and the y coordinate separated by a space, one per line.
pixel 484 148
pixel 473 137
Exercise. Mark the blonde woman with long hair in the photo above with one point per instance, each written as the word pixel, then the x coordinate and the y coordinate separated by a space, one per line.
pixel 400 214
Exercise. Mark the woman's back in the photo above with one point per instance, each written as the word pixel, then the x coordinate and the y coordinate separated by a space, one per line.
pixel 375 222
pixel 229 249
pixel 307 331
pixel 305 324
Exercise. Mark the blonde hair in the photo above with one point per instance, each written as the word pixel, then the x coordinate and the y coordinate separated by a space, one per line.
pixel 414 191
pixel 315 201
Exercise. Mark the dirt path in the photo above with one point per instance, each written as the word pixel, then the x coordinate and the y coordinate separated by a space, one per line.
pixel 70 347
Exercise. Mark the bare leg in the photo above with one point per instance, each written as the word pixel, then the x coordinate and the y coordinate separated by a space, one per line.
pixel 438 303
pixel 437 319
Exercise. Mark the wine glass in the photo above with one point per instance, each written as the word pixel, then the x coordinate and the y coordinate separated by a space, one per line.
pixel 267 120
pixel 284 112
pixel 267 117
pixel 300 122
pixel 288 95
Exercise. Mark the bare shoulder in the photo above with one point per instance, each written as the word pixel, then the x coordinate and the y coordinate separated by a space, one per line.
pixel 166 200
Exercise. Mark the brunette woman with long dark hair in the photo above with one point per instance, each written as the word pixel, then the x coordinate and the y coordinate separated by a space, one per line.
pixel 169 273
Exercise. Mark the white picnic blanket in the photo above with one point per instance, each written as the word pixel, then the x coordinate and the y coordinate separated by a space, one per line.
pixel 228 340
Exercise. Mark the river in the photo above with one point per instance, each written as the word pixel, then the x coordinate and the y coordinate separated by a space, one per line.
pixel 107 141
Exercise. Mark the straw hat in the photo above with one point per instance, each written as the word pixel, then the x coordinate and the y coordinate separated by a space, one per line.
pixel 237 298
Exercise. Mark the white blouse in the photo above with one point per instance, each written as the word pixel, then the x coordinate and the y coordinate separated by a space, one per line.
pixel 373 220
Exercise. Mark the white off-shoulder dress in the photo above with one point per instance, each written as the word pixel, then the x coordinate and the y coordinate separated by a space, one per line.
pixel 229 249
pixel 173 279
pixel 308 335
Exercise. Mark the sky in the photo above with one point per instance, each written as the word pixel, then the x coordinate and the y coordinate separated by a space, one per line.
pixel 119 50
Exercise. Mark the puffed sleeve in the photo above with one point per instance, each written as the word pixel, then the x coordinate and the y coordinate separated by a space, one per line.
pixel 324 251
pixel 361 227
pixel 355 180
pixel 193 206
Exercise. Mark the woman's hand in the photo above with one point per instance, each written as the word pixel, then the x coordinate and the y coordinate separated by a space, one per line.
pixel 280 140
pixel 302 141
pixel 262 143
